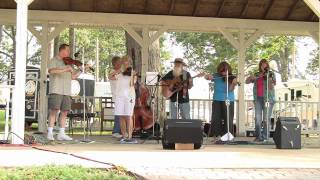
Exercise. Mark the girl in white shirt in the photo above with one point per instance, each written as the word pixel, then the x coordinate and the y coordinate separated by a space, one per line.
pixel 125 100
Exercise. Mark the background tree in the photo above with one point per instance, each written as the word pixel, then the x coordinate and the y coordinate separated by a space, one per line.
pixel 206 50
pixel 8 50
pixel 313 65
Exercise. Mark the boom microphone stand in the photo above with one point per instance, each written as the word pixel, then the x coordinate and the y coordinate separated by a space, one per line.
pixel 267 105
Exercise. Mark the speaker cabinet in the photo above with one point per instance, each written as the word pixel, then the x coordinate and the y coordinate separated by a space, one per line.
pixel 182 131
pixel 287 134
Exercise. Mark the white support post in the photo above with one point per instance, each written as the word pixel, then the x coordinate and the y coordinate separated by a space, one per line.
pixel 145 52
pixel 315 7
pixel 18 108
pixel 241 96
pixel 43 100
pixel 241 45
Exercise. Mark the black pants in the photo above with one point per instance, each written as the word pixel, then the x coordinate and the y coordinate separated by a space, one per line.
pixel 219 118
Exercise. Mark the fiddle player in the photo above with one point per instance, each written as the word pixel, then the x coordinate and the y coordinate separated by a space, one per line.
pixel 260 94
pixel 60 76
pixel 181 91
pixel 219 107
pixel 125 100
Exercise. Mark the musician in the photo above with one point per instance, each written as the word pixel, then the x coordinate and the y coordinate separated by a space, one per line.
pixel 125 100
pixel 219 107
pixel 260 91
pixel 60 91
pixel 113 77
pixel 182 89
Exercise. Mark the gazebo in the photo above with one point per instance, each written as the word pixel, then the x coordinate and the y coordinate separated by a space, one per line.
pixel 240 21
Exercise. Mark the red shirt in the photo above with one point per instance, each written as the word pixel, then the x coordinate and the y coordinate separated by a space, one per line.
pixel 260 87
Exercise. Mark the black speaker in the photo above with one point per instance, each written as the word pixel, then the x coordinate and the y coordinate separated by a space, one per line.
pixel 287 134
pixel 188 131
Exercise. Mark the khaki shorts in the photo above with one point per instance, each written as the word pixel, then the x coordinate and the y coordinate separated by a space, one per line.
pixel 59 102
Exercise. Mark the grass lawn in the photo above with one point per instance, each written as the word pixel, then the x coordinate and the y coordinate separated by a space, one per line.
pixel 53 172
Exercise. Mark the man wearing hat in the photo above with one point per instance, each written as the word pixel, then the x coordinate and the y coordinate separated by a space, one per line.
pixel 177 83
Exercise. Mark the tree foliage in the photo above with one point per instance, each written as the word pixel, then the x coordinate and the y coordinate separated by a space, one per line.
pixel 313 65
pixel 205 51
pixel 111 43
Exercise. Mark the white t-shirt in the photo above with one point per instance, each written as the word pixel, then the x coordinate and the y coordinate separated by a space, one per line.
pixel 113 84
pixel 123 88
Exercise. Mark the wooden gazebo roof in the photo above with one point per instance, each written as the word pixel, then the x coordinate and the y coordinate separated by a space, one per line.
pixel 286 10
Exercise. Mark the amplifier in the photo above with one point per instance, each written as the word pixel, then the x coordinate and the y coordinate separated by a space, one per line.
pixel 188 131
pixel 288 133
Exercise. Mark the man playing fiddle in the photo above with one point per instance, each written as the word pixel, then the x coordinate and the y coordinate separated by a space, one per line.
pixel 60 91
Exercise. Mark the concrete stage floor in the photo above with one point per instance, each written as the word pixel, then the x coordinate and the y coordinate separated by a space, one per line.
pixel 151 161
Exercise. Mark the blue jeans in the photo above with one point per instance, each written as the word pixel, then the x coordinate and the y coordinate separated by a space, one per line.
pixel 184 109
pixel 116 126
pixel 260 116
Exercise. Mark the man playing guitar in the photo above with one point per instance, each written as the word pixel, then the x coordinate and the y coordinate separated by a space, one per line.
pixel 176 84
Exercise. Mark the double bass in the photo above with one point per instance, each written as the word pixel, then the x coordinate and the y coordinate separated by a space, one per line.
pixel 143 115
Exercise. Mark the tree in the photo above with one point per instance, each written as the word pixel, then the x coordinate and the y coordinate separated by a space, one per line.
pixel 8 50
pixel 112 42
pixel 205 51
pixel 313 65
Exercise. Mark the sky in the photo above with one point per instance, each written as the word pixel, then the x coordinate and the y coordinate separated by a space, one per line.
pixel 304 47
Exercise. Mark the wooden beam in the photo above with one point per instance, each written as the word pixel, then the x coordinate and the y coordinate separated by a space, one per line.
pixel 34 32
pixel 244 9
pixel 268 9
pixel 154 22
pixel 253 37
pixel 121 6
pixel 133 34
pixel 172 4
pixel 157 35
pixel 195 7
pixel 145 6
pixel 292 8
pixel 235 43
pixel 314 5
pixel 57 30
pixel 220 8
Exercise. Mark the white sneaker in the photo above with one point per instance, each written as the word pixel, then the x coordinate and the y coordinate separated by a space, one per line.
pixel 64 137
pixel 50 137
pixel 117 135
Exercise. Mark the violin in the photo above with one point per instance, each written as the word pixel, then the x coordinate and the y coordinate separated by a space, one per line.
pixel 70 61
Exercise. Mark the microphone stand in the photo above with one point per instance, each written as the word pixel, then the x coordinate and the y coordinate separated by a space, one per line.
pixel 154 137
pixel 267 105
pixel 228 136
pixel 85 130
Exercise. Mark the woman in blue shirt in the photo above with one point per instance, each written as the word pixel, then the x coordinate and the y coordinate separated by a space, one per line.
pixel 219 108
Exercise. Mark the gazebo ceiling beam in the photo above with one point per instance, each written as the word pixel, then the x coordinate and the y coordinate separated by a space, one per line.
pixel 244 10
pixel 221 8
pixel 292 8
pixel 268 9
pixel 195 7
pixel 145 6
pixel 199 24
pixel 172 4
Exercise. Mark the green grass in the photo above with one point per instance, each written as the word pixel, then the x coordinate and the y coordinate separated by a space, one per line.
pixel 53 172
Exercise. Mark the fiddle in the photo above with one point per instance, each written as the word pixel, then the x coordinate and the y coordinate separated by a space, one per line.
pixel 70 61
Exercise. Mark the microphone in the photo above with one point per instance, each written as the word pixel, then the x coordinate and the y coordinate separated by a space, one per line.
pixel 266 69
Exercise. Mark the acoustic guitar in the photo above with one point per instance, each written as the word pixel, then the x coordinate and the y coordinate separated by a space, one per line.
pixel 169 87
